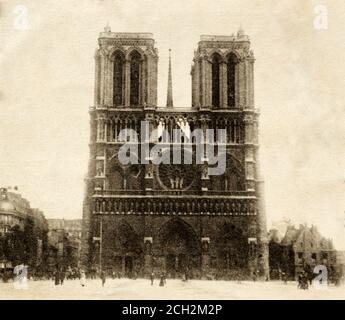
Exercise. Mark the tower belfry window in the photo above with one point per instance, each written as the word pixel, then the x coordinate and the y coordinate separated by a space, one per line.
pixel 232 61
pixel 118 79
pixel 135 61
pixel 215 80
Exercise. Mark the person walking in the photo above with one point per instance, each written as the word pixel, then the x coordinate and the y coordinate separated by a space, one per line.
pixel 152 277
pixel 161 282
pixel 103 277
pixel 82 278
pixel 62 277
pixel 254 276
pixel 56 277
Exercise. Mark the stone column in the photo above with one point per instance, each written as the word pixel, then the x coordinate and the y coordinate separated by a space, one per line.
pixel 97 78
pixel 250 102
pixel 148 265
pixel 86 237
pixel 205 179
pixel 252 256
pixel 238 78
pixel 261 222
pixel 109 82
pixel 151 75
pixel 154 81
pixel 203 82
pixel 196 84
pixel 249 153
pixel 241 93
pixel 208 84
pixel 224 85
pixel 262 241
pixel 105 124
pixel 127 83
pixel 106 81
pixel 101 78
pixel 205 257
pixel 143 67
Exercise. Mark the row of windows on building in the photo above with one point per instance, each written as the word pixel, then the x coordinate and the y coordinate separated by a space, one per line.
pixel 119 72
pixel 231 79
pixel 135 65
pixel 313 256
pixel 109 131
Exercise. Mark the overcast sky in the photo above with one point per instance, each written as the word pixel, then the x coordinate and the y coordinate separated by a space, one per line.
pixel 46 88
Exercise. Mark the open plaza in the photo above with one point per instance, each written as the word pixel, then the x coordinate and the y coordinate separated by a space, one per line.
pixel 123 289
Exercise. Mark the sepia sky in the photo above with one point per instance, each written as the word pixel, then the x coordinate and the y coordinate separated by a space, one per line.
pixel 46 88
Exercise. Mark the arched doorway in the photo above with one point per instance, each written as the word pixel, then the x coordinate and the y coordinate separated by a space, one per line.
pixel 180 248
pixel 233 178
pixel 232 252
pixel 128 251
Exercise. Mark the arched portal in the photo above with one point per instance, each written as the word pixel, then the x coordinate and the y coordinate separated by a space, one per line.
pixel 232 252
pixel 180 248
pixel 127 251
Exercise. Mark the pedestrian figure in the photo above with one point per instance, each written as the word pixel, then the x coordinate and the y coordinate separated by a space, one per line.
pixel 103 277
pixel 299 286
pixel 56 277
pixel 82 278
pixel 284 277
pixel 152 277
pixel 62 277
pixel 303 281
pixel 161 282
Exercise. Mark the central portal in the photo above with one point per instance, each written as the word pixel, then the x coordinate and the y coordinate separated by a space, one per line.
pixel 177 264
pixel 181 248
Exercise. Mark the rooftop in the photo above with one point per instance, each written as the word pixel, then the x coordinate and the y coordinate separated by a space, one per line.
pixel 126 35
pixel 7 206
pixel 222 38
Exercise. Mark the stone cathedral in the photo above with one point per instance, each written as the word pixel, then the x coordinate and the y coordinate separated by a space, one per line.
pixel 140 218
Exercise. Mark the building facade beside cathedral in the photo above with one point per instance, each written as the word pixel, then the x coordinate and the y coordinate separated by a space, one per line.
pixel 174 218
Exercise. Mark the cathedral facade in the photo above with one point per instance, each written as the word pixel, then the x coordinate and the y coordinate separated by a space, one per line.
pixel 142 216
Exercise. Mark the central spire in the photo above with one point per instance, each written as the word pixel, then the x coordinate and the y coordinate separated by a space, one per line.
pixel 170 103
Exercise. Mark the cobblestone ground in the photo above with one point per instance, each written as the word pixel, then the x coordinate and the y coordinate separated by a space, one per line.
pixel 174 289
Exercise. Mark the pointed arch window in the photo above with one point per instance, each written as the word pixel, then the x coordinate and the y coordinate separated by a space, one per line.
pixel 234 181
pixel 215 80
pixel 116 181
pixel 232 61
pixel 118 78
pixel 135 68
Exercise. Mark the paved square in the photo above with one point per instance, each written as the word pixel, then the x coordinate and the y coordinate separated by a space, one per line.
pixel 175 289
